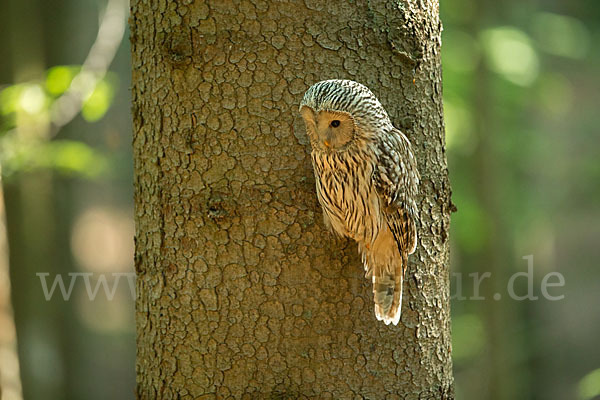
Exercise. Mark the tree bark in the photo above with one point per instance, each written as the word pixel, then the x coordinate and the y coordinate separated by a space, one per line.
pixel 240 291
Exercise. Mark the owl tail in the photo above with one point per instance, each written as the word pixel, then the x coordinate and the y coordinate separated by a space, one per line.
pixel 387 294
pixel 385 265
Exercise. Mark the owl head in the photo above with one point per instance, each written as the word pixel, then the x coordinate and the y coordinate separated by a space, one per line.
pixel 337 113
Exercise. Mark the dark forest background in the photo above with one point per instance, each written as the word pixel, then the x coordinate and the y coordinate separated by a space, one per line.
pixel 521 100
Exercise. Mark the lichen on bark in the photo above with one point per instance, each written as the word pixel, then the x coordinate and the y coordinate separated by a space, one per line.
pixel 240 291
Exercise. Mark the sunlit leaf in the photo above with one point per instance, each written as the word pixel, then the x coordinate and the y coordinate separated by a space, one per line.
pixel 510 54
pixel 589 386
pixel 561 35
pixel 96 105
pixel 9 99
pixel 32 99
pixel 72 157
pixel 67 156
pixel 58 79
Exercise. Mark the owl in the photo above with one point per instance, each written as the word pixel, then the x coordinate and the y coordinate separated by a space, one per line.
pixel 366 181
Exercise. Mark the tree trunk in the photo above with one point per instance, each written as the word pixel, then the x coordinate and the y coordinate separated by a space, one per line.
pixel 240 290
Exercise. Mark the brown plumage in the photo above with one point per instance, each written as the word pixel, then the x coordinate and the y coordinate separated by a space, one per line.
pixel 366 179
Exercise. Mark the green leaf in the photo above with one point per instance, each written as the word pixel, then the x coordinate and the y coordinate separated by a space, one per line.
pixel 561 35
pixel 589 386
pixel 66 156
pixel 96 105
pixel 511 55
pixel 9 99
pixel 73 157
pixel 59 78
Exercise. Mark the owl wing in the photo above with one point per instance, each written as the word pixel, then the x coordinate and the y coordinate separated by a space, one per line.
pixel 396 180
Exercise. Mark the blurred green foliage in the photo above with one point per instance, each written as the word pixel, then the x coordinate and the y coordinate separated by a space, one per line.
pixel 468 337
pixel 27 127
pixel 65 160
pixel 97 103
pixel 589 387
pixel 520 103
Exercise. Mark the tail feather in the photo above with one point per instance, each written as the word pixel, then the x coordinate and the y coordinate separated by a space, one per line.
pixel 387 295
pixel 385 265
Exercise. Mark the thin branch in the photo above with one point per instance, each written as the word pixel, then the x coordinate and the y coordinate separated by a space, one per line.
pixel 101 55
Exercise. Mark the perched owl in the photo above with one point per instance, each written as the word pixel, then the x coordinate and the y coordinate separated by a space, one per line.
pixel 367 181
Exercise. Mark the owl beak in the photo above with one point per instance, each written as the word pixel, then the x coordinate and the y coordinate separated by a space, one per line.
pixel 326 143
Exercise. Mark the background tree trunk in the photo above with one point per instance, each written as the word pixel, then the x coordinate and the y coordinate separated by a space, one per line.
pixel 240 290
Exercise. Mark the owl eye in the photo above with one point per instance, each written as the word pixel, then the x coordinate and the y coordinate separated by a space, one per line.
pixel 335 123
